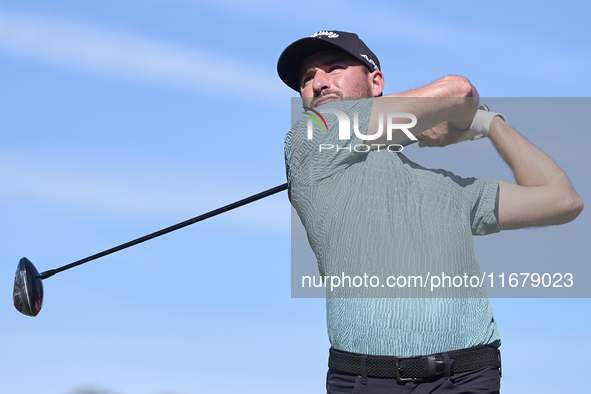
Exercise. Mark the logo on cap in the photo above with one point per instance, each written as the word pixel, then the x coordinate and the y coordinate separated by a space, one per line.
pixel 369 60
pixel 328 34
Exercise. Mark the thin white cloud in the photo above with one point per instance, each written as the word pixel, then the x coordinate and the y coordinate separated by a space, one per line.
pixel 397 22
pixel 515 51
pixel 157 192
pixel 120 53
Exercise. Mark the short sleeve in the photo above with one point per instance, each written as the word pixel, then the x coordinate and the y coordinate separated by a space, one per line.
pixel 482 197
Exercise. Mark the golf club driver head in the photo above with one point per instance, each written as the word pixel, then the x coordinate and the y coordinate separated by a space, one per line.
pixel 27 295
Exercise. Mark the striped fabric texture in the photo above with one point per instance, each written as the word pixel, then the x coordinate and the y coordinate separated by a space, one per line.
pixel 378 213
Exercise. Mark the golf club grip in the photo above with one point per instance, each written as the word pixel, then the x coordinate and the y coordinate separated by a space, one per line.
pixel 266 193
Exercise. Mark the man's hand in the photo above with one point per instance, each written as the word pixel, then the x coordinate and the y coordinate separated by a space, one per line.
pixel 445 134
pixel 442 108
pixel 441 135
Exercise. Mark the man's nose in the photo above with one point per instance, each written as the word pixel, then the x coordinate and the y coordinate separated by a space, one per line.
pixel 321 81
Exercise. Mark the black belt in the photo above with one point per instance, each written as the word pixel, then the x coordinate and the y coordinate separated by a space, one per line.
pixel 412 369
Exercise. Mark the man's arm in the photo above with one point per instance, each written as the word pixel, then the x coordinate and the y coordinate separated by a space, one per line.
pixel 543 194
pixel 442 108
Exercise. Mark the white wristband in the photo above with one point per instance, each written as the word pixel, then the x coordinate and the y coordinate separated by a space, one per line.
pixel 481 124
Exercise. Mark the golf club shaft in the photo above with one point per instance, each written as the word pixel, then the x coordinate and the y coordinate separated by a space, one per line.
pixel 277 189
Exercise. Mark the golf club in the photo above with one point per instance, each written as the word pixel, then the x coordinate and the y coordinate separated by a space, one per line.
pixel 27 295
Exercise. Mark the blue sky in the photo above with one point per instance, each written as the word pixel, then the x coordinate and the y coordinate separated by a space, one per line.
pixel 118 118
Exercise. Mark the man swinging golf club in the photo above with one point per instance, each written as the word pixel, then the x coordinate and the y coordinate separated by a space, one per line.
pixel 371 208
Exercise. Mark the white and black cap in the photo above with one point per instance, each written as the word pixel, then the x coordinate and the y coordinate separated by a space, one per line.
pixel 290 61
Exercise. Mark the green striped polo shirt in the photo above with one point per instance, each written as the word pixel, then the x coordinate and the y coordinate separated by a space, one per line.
pixel 377 212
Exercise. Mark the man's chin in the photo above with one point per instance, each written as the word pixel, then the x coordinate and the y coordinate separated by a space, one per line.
pixel 325 100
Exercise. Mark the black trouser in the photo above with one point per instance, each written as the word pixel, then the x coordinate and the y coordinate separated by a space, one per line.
pixel 479 381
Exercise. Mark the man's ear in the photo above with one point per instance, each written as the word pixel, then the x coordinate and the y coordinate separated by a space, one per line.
pixel 376 80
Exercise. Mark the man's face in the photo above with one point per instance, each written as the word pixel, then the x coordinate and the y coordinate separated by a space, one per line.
pixel 332 76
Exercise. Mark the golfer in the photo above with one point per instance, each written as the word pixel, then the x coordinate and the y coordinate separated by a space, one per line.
pixel 366 207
